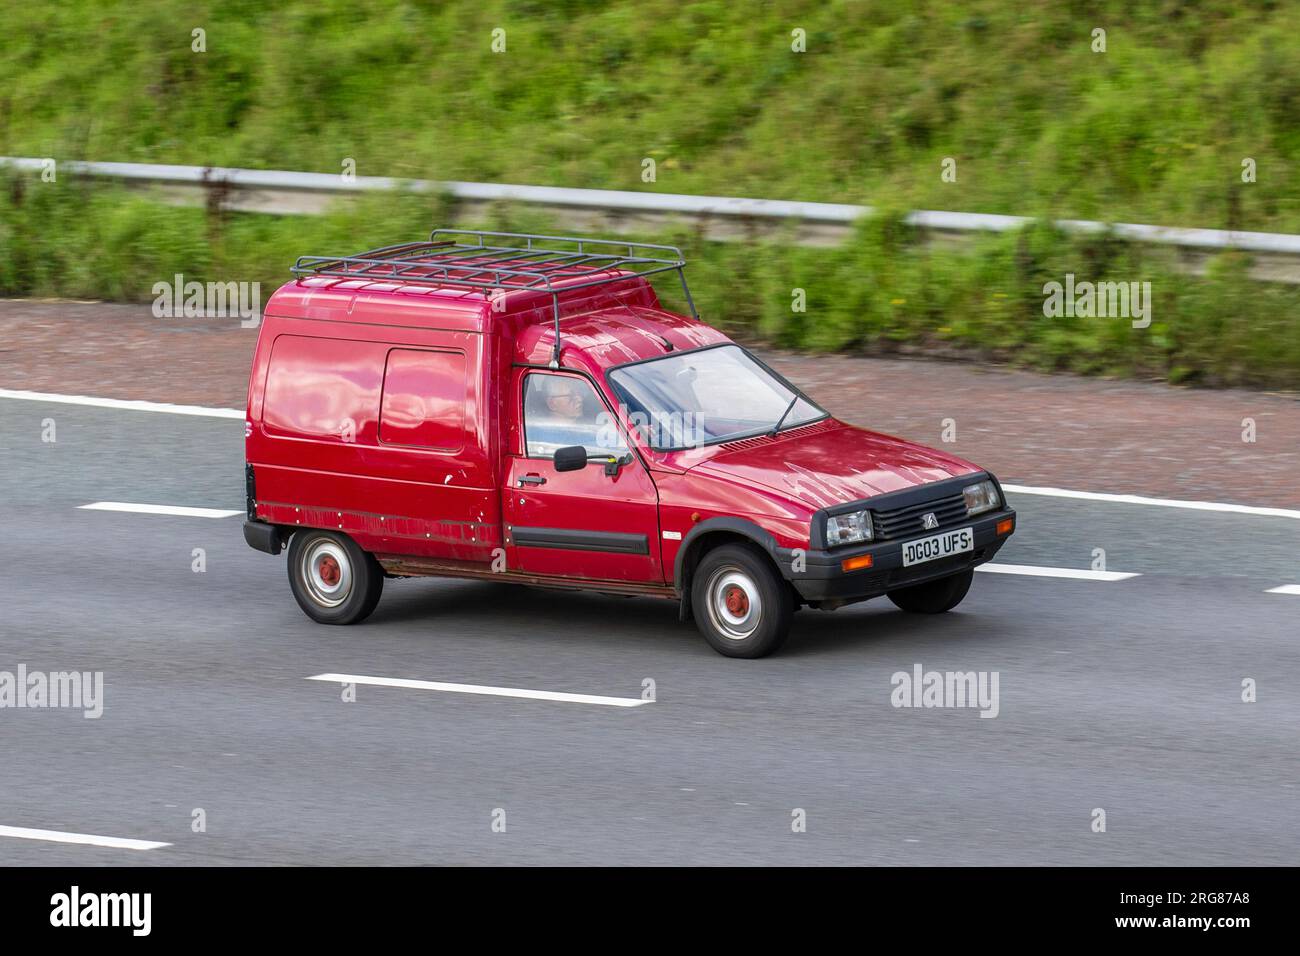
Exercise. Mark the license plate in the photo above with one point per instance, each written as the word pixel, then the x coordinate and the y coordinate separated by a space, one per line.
pixel 938 546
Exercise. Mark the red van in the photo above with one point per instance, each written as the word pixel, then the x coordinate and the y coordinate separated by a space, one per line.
pixel 522 408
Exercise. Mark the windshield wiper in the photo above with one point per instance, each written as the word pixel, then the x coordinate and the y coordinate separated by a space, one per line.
pixel 780 421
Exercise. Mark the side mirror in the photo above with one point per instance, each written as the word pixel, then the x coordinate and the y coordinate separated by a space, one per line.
pixel 570 458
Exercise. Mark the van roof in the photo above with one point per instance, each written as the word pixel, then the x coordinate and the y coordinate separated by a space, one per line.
pixel 609 327
pixel 611 336
pixel 550 293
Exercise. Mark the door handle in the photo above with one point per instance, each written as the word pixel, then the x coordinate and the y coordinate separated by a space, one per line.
pixel 531 480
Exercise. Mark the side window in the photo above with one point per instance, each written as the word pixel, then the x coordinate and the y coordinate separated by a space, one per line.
pixel 323 389
pixel 424 400
pixel 563 410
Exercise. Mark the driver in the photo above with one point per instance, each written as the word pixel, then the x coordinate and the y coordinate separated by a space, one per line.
pixel 564 400
pixel 574 416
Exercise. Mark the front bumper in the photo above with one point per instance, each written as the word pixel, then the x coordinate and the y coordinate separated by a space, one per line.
pixel 821 578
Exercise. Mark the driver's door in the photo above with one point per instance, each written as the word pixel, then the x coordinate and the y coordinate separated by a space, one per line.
pixel 583 523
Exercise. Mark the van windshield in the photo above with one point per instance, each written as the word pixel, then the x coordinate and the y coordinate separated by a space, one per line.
pixel 707 396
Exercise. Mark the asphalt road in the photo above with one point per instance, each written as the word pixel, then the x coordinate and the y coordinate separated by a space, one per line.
pixel 1120 695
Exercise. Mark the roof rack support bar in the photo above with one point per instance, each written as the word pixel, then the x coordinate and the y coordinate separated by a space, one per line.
pixel 555 305
pixel 535 266
pixel 681 274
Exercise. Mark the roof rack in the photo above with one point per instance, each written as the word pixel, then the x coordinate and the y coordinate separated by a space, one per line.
pixel 525 261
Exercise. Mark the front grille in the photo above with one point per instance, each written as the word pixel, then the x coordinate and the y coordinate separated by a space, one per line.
pixel 908 522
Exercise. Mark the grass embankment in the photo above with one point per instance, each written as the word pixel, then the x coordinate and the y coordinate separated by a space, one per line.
pixel 1152 130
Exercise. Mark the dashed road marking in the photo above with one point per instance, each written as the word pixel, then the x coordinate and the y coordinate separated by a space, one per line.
pixel 174 510
pixel 481 689
pixel 85 839
pixel 122 404
pixel 1081 574
pixel 1158 502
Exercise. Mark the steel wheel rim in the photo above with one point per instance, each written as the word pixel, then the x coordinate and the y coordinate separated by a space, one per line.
pixel 735 606
pixel 326 572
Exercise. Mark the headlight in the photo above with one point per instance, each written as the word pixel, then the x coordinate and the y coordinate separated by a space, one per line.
pixel 850 528
pixel 981 497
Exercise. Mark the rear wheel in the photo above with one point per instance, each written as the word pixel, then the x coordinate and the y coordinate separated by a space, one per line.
pixel 934 597
pixel 333 580
pixel 740 604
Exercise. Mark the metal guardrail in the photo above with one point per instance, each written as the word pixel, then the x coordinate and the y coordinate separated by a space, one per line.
pixel 1276 255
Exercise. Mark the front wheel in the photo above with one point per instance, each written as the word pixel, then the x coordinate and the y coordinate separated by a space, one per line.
pixel 741 605
pixel 934 597
pixel 333 580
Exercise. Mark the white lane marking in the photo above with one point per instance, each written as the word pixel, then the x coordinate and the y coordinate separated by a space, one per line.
pixel 208 412
pixel 176 510
pixel 1285 589
pixel 480 689
pixel 1159 502
pixel 1082 574
pixel 123 404
pixel 86 839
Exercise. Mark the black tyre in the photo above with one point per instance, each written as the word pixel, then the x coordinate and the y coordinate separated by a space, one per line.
pixel 332 579
pixel 741 605
pixel 934 597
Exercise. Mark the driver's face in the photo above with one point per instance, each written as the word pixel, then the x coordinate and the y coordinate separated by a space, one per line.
pixel 565 401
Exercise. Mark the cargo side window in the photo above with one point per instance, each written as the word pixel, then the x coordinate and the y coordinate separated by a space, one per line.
pixel 563 410
pixel 424 400
pixel 323 389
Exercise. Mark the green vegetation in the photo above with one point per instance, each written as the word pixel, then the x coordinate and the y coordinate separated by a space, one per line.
pixel 1152 130
pixel 883 293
